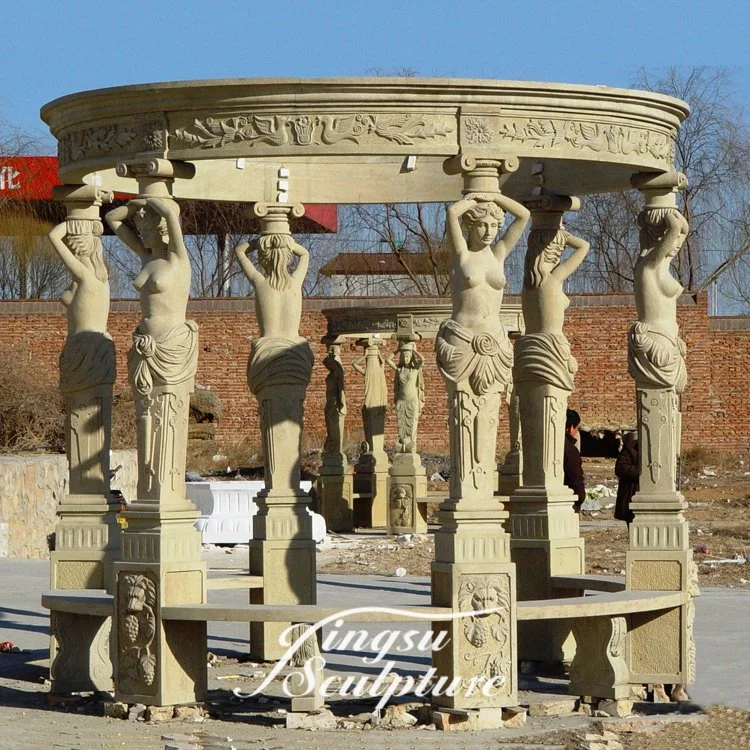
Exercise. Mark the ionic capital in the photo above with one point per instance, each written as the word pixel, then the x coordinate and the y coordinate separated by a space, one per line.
pixel 659 189
pixel 481 175
pixel 82 202
pixel 155 176
pixel 547 211
pixel 274 217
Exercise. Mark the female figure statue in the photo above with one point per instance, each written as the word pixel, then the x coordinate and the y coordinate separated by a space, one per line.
pixel 164 356
pixel 473 351
pixel 281 360
pixel 335 408
pixel 409 393
pixel 656 352
pixel 278 293
pixel 544 366
pixel 543 352
pixel 87 362
pixel 473 344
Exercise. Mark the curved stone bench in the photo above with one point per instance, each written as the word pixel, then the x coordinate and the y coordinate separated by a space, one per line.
pixel 600 625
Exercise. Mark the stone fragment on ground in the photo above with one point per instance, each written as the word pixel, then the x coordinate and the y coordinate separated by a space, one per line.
pixel 561 707
pixel 514 717
pixel 322 719
pixel 622 707
pixel 116 709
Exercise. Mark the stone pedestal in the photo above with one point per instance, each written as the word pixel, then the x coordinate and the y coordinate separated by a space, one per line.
pixel 544 526
pixel 661 646
pixel 282 549
pixel 371 490
pixel 600 669
pixel 159 662
pixel 408 485
pixel 335 489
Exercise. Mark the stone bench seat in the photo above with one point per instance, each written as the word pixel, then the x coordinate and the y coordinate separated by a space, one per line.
pixel 234 582
pixel 620 603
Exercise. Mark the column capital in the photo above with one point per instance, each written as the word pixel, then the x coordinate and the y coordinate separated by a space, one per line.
pixel 481 174
pixel 155 176
pixel 659 189
pixel 274 217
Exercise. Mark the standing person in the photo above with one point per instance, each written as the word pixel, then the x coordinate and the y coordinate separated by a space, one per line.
pixel 628 472
pixel 572 464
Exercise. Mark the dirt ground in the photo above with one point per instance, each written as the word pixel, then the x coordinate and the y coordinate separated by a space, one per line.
pixel 718 505
pixel 718 502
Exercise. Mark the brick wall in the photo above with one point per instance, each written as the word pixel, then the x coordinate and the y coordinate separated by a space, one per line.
pixel 716 404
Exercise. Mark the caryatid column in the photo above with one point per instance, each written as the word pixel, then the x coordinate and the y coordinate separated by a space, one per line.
pixel 544 525
pixel 408 479
pixel 87 536
pixel 335 483
pixel 371 471
pixel 472 569
pixel 659 555
pixel 159 662
pixel 282 549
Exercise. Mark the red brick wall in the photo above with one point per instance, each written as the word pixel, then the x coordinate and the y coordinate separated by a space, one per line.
pixel 716 404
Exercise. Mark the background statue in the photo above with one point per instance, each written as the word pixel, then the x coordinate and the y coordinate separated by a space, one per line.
pixel 409 395
pixel 656 352
pixel 164 357
pixel 376 395
pixel 87 362
pixel 335 408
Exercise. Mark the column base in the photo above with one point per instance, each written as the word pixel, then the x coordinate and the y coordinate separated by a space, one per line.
pixel 545 542
pixel 87 541
pixel 159 662
pixel 335 489
pixel 371 491
pixel 478 648
pixel 289 577
pixel 408 485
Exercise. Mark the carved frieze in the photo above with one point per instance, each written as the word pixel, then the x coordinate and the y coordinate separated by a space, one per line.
pixel 587 136
pixel 306 130
pixel 112 139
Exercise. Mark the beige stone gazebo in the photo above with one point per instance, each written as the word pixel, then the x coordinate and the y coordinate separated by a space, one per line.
pixel 501 583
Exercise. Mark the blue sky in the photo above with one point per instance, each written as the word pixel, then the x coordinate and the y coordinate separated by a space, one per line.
pixel 50 49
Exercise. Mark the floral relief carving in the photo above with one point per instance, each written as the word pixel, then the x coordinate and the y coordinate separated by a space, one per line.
pixel 614 139
pixel 137 630
pixel 311 130
pixel 478 130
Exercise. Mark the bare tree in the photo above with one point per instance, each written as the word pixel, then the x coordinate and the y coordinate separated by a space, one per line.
pixel 713 150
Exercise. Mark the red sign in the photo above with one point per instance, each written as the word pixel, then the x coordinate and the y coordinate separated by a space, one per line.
pixel 28 177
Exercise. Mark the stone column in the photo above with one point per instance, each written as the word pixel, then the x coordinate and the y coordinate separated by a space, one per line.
pixel 159 662
pixel 544 525
pixel 335 484
pixel 408 478
pixel 282 549
pixel 371 471
pixel 659 555
pixel 87 536
pixel 472 569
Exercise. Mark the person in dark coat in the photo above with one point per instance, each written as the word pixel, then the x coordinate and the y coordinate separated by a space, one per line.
pixel 627 470
pixel 572 464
